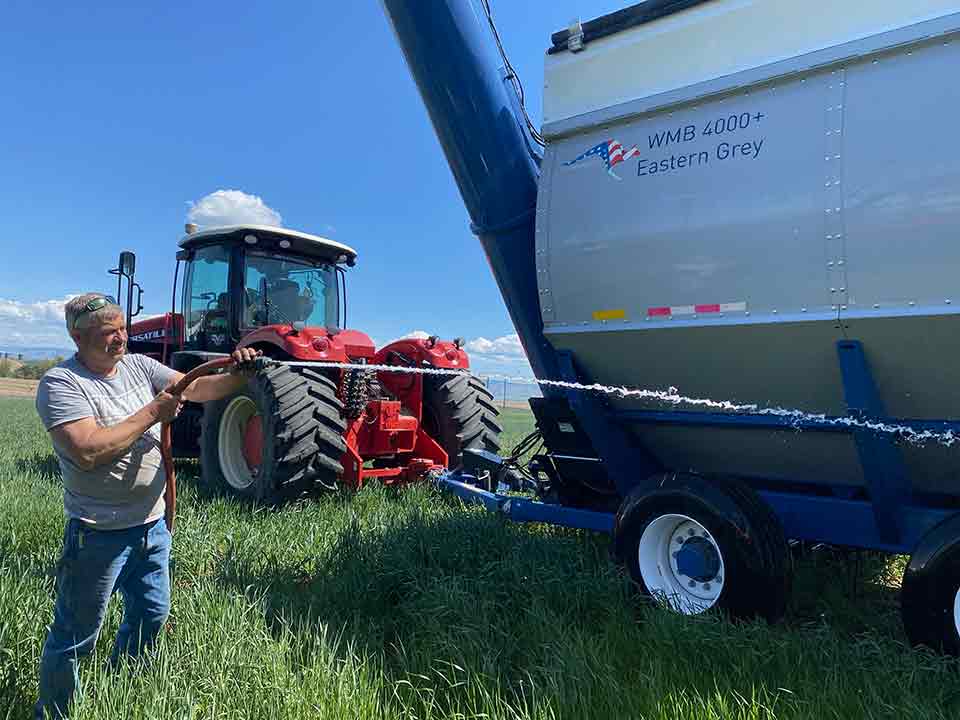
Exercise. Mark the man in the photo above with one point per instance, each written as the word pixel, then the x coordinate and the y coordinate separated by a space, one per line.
pixel 103 408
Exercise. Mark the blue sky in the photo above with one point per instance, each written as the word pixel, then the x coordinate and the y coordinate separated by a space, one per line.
pixel 117 116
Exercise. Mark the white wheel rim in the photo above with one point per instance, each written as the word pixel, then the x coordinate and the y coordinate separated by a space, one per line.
pixel 658 552
pixel 230 442
pixel 956 612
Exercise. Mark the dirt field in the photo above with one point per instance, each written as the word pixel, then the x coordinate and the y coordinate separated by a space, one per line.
pixel 14 387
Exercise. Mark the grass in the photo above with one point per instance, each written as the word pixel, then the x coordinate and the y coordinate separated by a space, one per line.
pixel 407 604
pixel 516 424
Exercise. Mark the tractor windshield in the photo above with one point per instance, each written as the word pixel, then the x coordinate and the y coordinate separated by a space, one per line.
pixel 281 289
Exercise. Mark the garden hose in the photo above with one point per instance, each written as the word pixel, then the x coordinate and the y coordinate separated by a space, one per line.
pixel 166 443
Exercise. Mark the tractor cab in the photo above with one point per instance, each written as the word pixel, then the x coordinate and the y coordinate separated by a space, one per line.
pixel 240 279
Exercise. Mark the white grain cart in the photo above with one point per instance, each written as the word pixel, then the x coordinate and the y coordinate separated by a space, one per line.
pixel 756 201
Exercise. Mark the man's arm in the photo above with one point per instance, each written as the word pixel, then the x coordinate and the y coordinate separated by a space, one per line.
pixel 90 445
pixel 215 387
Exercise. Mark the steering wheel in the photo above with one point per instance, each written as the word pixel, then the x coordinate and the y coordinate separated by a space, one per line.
pixel 254 301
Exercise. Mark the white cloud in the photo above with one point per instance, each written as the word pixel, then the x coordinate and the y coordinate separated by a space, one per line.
pixel 501 356
pixel 37 324
pixel 232 207
pixel 412 335
pixel 40 324
pixel 506 346
pixel 43 310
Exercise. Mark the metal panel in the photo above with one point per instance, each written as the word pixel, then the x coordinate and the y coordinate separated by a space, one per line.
pixel 781 71
pixel 910 356
pixel 713 41
pixel 791 364
pixel 721 204
pixel 902 179
pixel 933 468
pixel 781 456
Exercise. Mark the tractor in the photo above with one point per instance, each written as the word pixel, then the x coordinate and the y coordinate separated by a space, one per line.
pixel 305 422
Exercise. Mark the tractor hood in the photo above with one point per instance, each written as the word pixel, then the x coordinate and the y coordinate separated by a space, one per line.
pixel 316 344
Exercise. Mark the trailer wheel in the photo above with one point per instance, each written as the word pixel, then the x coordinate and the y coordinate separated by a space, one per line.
pixel 459 413
pixel 930 593
pixel 278 438
pixel 694 544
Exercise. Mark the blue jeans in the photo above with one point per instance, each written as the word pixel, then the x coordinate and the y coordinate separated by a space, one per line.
pixel 94 563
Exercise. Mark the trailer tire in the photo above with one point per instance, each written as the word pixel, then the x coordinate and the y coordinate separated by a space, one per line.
pixel 459 413
pixel 695 544
pixel 930 592
pixel 291 420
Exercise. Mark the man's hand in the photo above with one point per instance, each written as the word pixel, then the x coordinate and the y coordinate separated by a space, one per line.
pixel 244 361
pixel 166 406
pixel 216 387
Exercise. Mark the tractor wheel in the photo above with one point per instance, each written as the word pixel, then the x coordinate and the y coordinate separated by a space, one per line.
pixel 459 413
pixel 278 438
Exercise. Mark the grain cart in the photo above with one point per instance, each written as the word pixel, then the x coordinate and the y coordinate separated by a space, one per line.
pixel 750 201
pixel 306 422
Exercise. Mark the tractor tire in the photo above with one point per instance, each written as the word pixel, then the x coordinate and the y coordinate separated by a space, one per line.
pixel 459 413
pixel 277 439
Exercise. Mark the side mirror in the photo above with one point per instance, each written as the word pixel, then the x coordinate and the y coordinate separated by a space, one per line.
pixel 126 266
pixel 128 263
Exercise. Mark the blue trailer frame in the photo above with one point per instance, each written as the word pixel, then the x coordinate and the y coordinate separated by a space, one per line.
pixel 450 52
pixel 890 520
pixel 831 520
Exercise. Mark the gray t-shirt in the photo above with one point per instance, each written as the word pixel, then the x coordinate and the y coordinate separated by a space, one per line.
pixel 129 490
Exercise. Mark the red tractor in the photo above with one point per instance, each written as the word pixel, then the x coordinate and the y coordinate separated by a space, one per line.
pixel 311 424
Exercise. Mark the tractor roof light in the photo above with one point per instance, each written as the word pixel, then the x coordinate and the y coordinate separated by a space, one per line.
pixel 250 239
pixel 285 244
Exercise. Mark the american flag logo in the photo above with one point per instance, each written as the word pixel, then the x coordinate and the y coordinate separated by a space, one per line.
pixel 612 154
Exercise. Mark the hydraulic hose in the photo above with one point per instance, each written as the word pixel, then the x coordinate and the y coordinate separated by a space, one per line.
pixel 166 442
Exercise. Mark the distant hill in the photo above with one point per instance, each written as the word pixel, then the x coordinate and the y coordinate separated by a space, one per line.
pixel 35 353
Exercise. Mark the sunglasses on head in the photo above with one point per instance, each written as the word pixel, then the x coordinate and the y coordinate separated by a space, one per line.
pixel 98 303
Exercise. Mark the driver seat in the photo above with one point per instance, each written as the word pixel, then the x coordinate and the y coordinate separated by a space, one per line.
pixel 285 294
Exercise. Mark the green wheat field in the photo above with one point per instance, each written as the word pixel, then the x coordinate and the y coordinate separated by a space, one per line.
pixel 409 604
